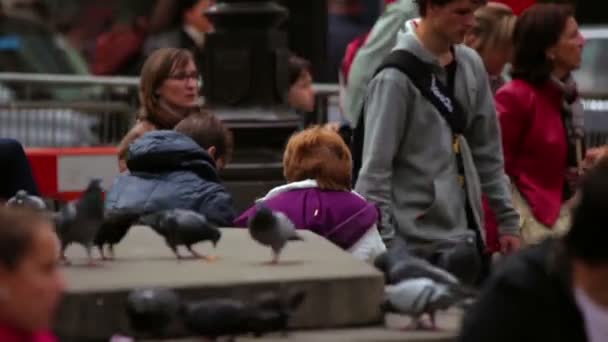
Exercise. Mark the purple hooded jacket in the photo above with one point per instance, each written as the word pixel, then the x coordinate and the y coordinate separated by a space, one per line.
pixel 341 217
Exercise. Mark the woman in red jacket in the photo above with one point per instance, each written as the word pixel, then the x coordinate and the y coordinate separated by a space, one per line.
pixel 30 280
pixel 542 119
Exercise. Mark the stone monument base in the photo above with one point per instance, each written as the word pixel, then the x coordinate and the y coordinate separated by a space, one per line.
pixel 341 291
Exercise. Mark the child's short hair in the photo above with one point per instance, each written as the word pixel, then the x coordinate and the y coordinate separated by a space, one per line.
pixel 207 130
pixel 318 153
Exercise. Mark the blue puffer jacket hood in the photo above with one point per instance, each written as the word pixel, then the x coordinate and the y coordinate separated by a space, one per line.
pixel 168 170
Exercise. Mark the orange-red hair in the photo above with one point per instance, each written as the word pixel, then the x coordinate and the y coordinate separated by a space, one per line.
pixel 318 153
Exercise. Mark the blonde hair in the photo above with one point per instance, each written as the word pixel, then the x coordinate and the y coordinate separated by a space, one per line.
pixel 493 28
pixel 318 153
pixel 156 70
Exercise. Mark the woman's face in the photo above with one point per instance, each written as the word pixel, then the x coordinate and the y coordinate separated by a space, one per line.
pixel 566 54
pixel 301 95
pixel 180 89
pixel 31 292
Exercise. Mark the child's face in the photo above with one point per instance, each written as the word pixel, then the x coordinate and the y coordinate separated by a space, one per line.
pixel 301 95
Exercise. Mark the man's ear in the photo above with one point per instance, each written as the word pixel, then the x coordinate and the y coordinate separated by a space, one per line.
pixel 212 151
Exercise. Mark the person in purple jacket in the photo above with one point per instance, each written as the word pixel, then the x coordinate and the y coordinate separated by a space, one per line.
pixel 318 195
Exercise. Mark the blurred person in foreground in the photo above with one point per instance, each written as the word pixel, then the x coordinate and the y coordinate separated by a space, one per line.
pixel 30 279
pixel 168 92
pixel 557 290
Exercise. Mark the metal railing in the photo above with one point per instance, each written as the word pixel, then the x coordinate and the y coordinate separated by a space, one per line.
pixel 83 110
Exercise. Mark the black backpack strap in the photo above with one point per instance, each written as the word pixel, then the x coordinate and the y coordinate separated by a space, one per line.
pixel 421 74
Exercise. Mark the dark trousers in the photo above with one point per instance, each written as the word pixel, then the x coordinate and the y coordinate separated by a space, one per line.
pixel 15 171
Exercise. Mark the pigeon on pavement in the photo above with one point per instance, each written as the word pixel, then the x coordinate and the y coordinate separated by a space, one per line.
pixel 152 310
pixel 115 226
pixel 79 221
pixel 418 296
pixel 23 199
pixel 182 227
pixel 272 229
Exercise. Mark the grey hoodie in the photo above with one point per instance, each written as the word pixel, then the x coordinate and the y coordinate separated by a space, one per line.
pixel 409 168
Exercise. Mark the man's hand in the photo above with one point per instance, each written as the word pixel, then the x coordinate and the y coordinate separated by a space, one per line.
pixel 509 243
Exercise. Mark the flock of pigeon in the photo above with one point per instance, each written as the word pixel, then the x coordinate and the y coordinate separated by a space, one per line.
pixel 414 287
pixel 152 312
pixel 85 222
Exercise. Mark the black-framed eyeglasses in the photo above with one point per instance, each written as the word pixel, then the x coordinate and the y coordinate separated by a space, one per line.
pixel 183 76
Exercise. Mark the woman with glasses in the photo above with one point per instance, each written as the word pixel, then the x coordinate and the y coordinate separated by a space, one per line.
pixel 168 92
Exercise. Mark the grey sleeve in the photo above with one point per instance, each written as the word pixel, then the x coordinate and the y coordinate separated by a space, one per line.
pixel 385 122
pixel 484 138
pixel 381 40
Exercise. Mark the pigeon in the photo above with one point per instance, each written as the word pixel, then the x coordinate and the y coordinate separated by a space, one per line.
pixel 214 318
pixel 182 227
pixel 274 312
pixel 23 199
pixel 114 228
pixel 79 221
pixel 418 296
pixel 463 261
pixel 459 256
pixel 272 229
pixel 220 317
pixel 399 264
pixel 151 311
pixel 409 267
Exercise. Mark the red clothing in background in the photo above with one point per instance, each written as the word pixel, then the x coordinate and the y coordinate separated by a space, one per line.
pixel 10 334
pixel 518 6
pixel 534 144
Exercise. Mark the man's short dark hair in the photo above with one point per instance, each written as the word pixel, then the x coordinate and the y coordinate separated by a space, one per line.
pixel 422 4
pixel 588 235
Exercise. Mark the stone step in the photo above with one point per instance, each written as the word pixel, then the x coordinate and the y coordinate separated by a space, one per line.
pixel 341 291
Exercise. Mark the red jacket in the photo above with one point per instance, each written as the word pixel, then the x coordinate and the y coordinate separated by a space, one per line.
pixel 9 334
pixel 518 6
pixel 534 143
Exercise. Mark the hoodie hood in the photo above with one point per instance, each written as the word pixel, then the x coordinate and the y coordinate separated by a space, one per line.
pixel 169 151
pixel 407 39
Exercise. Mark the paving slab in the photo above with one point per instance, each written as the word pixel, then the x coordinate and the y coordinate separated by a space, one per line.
pixel 341 291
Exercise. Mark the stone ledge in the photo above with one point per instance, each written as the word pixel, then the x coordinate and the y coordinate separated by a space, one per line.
pixel 341 291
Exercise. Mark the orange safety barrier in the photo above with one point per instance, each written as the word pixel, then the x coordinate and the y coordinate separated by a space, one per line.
pixel 63 173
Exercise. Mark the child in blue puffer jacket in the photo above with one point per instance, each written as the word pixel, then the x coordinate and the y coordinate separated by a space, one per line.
pixel 178 169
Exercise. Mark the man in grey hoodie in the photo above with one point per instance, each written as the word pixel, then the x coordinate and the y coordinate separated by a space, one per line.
pixel 409 167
